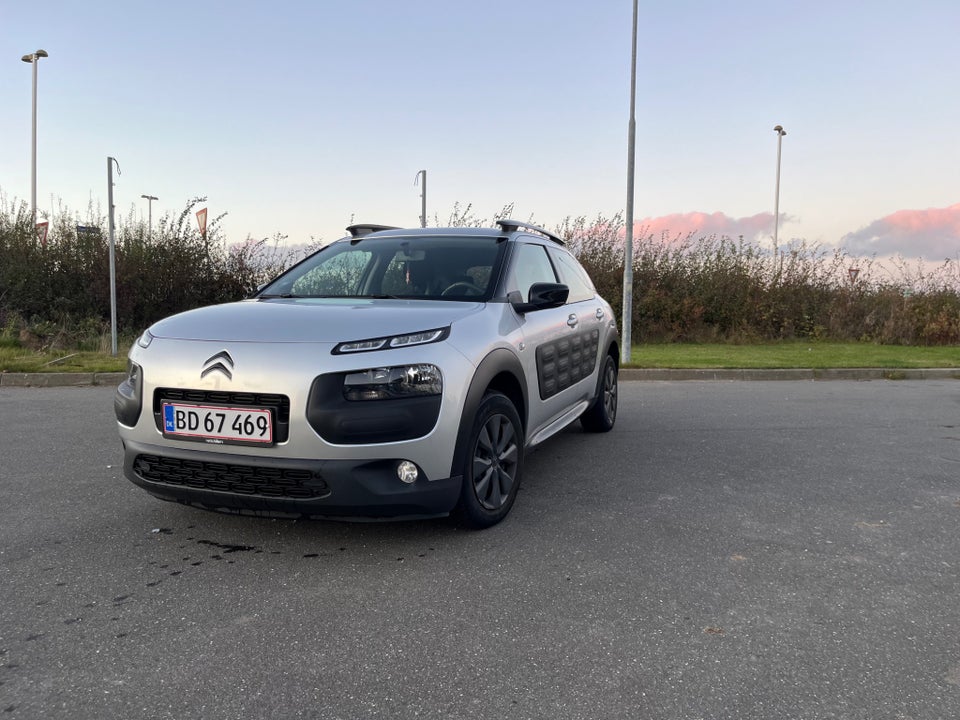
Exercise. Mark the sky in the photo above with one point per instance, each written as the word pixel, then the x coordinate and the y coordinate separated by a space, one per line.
pixel 297 118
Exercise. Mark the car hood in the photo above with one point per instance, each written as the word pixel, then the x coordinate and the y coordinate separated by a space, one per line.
pixel 326 320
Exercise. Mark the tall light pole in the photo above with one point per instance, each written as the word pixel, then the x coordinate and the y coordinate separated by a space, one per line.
pixel 627 340
pixel 776 199
pixel 113 263
pixel 149 199
pixel 34 59
pixel 423 196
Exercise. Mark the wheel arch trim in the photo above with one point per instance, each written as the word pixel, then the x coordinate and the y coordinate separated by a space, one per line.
pixel 501 370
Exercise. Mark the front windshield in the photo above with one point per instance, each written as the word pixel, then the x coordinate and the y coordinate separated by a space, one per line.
pixel 427 267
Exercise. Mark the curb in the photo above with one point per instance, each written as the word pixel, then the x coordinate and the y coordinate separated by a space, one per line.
pixel 59 379
pixel 649 374
pixel 626 375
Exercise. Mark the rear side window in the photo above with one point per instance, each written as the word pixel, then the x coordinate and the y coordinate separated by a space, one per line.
pixel 573 276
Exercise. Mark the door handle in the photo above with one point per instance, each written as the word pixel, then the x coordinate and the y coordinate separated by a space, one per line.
pixel 572 320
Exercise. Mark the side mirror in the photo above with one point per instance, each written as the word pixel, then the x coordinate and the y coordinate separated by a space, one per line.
pixel 253 293
pixel 541 297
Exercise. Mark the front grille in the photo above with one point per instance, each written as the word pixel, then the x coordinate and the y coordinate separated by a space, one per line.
pixel 251 480
pixel 278 405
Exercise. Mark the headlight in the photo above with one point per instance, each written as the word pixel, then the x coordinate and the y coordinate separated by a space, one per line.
pixel 389 383
pixel 133 373
pixel 395 341
pixel 145 339
pixel 128 400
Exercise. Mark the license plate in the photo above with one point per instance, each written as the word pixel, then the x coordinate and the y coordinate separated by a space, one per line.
pixel 218 425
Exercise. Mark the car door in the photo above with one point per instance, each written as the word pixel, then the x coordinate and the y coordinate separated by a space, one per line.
pixel 553 343
pixel 586 318
pixel 592 314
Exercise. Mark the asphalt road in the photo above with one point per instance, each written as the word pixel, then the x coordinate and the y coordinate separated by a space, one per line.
pixel 730 550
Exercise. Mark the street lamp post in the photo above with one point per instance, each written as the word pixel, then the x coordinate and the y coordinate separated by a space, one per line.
pixel 776 199
pixel 34 59
pixel 149 199
pixel 113 262
pixel 627 336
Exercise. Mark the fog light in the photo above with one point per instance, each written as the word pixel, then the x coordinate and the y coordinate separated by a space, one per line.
pixel 407 471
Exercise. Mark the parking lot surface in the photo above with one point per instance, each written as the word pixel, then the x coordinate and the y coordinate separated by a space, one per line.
pixel 730 550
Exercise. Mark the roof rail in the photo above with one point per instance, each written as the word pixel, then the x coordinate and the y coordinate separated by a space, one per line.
pixel 361 229
pixel 512 225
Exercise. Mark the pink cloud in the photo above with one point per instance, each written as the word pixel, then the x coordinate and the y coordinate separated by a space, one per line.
pixel 678 227
pixel 699 224
pixel 930 233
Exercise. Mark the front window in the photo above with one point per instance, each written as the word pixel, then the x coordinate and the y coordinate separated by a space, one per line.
pixel 530 265
pixel 425 267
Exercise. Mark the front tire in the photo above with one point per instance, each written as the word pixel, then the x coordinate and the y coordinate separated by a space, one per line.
pixel 602 414
pixel 493 464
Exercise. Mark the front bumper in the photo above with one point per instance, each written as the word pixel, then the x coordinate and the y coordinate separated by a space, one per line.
pixel 286 487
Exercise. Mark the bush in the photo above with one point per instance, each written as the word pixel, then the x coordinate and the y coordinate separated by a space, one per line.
pixel 685 288
pixel 710 289
pixel 58 293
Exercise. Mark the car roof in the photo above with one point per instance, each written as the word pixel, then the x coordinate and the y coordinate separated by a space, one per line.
pixel 506 227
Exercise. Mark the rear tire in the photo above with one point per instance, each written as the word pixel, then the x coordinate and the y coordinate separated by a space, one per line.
pixel 493 464
pixel 602 414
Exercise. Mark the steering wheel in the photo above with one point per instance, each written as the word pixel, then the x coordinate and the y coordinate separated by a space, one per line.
pixel 462 287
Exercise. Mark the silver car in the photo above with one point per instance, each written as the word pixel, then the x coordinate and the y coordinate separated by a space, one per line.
pixel 394 373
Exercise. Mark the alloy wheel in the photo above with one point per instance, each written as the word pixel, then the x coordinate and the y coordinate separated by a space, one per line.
pixel 495 461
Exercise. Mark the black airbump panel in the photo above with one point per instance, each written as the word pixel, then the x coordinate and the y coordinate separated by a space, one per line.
pixel 567 361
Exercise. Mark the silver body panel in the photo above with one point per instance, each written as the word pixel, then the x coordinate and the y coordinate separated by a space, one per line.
pixel 280 345
pixel 289 355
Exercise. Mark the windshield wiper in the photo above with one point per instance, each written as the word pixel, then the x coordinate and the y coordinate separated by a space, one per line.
pixel 287 296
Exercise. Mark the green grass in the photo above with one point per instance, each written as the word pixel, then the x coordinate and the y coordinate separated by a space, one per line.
pixel 793 355
pixel 676 355
pixel 17 359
